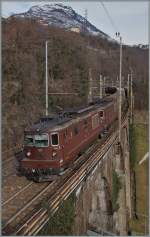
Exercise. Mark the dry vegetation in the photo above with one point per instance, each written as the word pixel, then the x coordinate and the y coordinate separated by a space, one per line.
pixel 69 55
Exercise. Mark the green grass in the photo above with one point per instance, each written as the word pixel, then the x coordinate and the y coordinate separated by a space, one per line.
pixel 138 148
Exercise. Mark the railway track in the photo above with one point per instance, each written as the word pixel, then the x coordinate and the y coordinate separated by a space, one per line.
pixel 31 204
pixel 12 185
pixel 39 215
pixel 14 211
pixel 18 221
pixel 17 193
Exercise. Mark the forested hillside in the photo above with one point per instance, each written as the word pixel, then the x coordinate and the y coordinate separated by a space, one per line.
pixel 70 55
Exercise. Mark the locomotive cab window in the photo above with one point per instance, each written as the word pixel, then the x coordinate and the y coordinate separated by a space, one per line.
pixel 28 140
pixel 41 140
pixel 85 123
pixel 101 114
pixel 54 139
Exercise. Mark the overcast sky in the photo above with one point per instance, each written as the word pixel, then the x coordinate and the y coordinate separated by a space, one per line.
pixel 130 17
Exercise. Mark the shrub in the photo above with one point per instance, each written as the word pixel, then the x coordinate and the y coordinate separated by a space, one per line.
pixel 116 186
pixel 61 223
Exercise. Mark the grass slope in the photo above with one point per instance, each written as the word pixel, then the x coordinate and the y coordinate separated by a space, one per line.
pixel 139 149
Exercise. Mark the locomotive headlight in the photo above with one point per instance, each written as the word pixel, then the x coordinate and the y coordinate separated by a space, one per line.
pixel 28 153
pixel 54 153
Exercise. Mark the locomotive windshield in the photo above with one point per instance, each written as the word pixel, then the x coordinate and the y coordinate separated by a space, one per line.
pixel 29 141
pixel 36 140
pixel 41 140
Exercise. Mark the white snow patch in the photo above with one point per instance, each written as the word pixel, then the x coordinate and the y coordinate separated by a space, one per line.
pixel 61 16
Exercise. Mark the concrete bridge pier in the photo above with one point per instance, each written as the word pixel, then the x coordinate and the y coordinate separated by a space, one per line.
pixel 123 171
pixel 119 216
pixel 94 204
pixel 101 215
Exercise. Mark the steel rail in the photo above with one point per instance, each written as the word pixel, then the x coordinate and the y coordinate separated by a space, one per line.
pixel 29 219
pixel 56 182
pixel 16 194
pixel 28 204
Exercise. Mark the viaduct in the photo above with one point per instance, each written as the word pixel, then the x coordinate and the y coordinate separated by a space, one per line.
pixel 102 190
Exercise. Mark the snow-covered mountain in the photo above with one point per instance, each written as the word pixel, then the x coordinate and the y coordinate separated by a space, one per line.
pixel 61 16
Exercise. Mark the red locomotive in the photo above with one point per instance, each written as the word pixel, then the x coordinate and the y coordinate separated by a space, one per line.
pixel 51 144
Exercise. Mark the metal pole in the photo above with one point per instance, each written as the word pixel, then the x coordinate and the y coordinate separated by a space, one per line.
pixel 131 96
pixel 46 86
pixel 90 87
pixel 132 106
pixel 120 80
pixel 128 86
pixel 101 88
pixel 104 85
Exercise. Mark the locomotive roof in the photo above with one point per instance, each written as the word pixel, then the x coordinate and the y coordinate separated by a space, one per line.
pixel 47 123
pixel 59 120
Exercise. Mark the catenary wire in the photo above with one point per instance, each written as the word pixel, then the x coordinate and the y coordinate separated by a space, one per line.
pixel 110 18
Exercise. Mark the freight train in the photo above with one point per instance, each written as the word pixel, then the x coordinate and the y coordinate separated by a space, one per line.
pixel 54 142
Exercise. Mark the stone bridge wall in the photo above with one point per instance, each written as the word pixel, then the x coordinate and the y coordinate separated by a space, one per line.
pixel 94 207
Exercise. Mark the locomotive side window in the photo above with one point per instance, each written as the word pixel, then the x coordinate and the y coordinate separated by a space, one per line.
pixel 85 123
pixel 95 121
pixel 28 140
pixel 101 114
pixel 41 140
pixel 54 139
